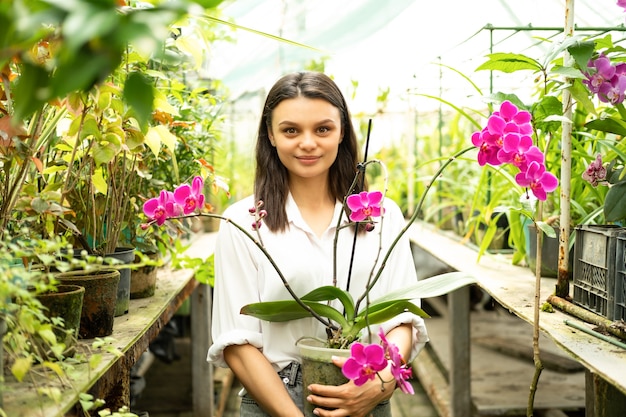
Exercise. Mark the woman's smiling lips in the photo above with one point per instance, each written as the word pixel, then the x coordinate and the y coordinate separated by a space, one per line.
pixel 308 160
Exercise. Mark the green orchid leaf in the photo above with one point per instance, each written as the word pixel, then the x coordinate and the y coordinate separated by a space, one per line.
pixel 430 287
pixel 608 124
pixel 615 203
pixel 286 310
pixel 546 229
pixel 507 62
pixel 582 52
pixel 379 313
pixel 329 293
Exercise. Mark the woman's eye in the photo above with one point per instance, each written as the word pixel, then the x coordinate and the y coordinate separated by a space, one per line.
pixel 290 131
pixel 323 130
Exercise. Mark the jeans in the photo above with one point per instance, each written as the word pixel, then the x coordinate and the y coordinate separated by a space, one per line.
pixel 292 377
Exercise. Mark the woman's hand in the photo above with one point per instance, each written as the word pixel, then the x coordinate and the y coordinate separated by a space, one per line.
pixel 348 399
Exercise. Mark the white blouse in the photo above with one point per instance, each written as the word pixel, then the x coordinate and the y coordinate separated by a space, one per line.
pixel 243 275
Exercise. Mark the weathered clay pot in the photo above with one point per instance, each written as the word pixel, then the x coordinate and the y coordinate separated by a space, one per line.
pixel 66 303
pixel 98 312
pixel 126 256
pixel 143 280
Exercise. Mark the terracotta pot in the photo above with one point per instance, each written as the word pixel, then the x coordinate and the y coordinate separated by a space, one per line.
pixel 98 312
pixel 318 368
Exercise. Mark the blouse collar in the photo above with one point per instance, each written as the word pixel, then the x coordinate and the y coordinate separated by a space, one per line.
pixel 294 216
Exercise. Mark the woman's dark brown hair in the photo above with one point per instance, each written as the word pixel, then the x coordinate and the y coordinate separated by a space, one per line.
pixel 271 178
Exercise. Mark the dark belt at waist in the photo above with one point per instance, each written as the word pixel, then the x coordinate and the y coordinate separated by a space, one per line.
pixel 291 374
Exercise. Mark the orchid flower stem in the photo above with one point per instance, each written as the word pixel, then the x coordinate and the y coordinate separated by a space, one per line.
pixel 385 175
pixel 411 220
pixel 362 186
pixel 361 170
pixel 301 303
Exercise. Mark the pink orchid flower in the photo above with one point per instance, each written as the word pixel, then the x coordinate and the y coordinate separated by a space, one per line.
pixel 399 369
pixel 538 180
pixel 190 197
pixel 488 147
pixel 365 205
pixel 365 361
pixel 519 150
pixel 161 208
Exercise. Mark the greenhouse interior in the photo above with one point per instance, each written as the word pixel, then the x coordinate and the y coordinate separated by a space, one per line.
pixel 450 174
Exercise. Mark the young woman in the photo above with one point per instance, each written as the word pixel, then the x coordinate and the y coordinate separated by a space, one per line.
pixel 306 159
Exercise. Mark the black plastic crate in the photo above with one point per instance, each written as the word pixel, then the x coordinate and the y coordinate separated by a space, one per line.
pixel 596 270
pixel 620 278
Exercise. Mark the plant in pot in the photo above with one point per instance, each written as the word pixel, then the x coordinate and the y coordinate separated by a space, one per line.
pixel 40 334
pixel 48 61
pixel 349 322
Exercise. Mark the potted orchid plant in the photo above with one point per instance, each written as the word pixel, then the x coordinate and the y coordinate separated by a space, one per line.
pixel 344 326
pixel 605 77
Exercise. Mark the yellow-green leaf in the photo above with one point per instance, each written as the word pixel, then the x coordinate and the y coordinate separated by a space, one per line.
pixel 47 334
pixel 99 182
pixel 160 135
pixel 54 367
pixel 161 104
pixel 192 47
pixel 20 368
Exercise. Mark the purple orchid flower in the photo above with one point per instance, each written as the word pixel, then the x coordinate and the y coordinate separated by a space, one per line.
pixel 595 172
pixel 602 75
pixel 613 90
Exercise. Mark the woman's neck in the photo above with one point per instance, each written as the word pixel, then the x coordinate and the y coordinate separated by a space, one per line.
pixel 315 203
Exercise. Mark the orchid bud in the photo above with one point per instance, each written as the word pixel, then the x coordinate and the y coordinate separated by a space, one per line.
pixel 252 210
pixel 260 203
pixel 369 227
pixel 262 214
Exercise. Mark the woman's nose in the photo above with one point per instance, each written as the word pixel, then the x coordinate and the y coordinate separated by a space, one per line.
pixel 308 141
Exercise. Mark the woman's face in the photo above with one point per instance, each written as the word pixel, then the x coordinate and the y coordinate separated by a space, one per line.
pixel 306 133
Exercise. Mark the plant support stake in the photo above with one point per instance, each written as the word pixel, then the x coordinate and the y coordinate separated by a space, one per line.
pixel 596 334
pixel 562 283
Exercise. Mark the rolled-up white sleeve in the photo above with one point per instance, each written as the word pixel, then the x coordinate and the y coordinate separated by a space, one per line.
pixel 235 286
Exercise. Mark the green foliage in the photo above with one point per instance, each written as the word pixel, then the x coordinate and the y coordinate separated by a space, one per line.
pixel 377 311
pixel 510 63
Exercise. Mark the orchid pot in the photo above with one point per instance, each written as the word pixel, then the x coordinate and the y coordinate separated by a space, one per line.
pixel 318 368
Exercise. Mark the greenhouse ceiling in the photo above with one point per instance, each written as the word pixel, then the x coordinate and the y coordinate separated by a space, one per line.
pixel 394 44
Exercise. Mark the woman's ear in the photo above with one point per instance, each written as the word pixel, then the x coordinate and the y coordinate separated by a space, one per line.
pixel 271 137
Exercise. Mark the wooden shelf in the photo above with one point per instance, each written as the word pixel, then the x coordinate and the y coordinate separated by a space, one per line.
pixel 514 287
pixel 132 333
